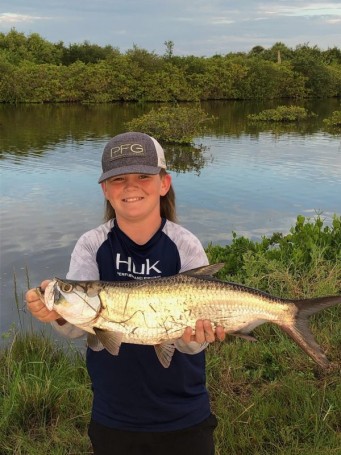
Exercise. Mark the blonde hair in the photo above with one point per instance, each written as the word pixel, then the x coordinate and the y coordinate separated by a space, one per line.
pixel 167 205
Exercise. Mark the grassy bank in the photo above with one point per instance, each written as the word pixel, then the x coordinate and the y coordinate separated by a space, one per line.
pixel 269 397
pixel 45 398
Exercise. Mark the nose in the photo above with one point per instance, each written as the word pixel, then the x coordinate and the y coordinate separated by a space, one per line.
pixel 131 181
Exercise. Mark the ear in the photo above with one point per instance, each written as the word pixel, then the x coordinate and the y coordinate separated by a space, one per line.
pixel 166 181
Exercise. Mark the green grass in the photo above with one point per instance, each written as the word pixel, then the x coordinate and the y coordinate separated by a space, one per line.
pixel 269 396
pixel 45 398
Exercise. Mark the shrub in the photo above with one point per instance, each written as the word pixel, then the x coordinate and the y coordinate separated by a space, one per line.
pixel 307 261
pixel 282 114
pixel 173 124
pixel 333 120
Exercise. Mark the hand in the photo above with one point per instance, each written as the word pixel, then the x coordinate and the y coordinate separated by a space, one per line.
pixel 203 333
pixel 37 306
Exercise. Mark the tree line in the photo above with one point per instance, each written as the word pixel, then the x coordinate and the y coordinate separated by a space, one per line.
pixel 34 70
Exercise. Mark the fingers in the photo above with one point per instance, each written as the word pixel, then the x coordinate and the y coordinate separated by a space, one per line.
pixel 44 284
pixel 204 332
pixel 187 335
pixel 37 306
pixel 220 333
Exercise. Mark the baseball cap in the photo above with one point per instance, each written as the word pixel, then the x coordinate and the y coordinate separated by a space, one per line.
pixel 132 153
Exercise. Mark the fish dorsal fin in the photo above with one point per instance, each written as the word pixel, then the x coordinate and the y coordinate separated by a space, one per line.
pixel 164 352
pixel 94 343
pixel 206 270
pixel 110 340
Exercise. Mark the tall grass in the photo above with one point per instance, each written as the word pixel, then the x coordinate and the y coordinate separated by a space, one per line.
pixel 45 398
pixel 269 397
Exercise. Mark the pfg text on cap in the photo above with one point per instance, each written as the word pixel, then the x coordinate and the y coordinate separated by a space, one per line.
pixel 132 153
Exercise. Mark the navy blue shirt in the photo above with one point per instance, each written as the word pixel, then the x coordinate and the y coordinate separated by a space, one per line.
pixel 133 391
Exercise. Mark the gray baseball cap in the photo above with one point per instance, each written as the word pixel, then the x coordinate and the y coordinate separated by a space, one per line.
pixel 132 153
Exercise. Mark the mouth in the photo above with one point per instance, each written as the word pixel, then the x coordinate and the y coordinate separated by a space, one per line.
pixel 51 295
pixel 132 199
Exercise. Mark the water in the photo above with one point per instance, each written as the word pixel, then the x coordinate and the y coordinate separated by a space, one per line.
pixel 237 178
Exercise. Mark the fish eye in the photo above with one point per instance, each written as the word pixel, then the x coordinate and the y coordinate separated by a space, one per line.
pixel 66 287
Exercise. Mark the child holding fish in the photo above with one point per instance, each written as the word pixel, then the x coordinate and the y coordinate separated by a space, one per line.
pixel 139 407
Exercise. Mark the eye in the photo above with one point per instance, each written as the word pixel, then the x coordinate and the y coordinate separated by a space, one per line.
pixel 116 179
pixel 144 176
pixel 66 287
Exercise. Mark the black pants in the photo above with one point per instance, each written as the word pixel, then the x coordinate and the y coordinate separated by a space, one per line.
pixel 197 440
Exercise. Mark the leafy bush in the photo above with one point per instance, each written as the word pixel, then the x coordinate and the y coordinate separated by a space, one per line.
pixel 173 124
pixel 333 120
pixel 282 114
pixel 307 261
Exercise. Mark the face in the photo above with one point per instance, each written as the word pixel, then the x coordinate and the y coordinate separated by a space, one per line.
pixel 136 197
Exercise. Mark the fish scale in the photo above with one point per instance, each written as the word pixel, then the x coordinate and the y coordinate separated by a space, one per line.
pixel 157 311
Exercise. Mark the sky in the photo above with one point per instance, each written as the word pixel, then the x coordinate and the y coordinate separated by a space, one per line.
pixel 196 27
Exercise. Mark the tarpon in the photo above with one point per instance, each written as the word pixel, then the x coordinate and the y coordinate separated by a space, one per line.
pixel 157 311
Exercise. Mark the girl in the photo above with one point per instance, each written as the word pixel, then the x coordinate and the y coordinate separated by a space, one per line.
pixel 139 407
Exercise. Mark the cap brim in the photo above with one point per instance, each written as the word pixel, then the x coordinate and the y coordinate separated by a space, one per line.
pixel 138 169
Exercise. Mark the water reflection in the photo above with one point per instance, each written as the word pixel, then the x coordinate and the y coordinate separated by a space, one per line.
pixel 181 158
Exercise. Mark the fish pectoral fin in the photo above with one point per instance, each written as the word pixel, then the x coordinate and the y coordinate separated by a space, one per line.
pixel 94 343
pixel 165 353
pixel 110 340
pixel 244 336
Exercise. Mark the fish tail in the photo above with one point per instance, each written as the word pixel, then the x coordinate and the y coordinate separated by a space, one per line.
pixel 300 331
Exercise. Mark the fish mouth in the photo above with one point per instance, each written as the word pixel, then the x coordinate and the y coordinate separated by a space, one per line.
pixel 51 295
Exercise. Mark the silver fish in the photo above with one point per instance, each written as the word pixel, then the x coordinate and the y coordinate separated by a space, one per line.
pixel 157 311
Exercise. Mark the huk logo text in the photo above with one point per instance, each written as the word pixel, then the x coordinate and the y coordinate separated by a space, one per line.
pixel 130 267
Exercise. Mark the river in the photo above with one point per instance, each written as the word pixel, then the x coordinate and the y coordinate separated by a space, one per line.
pixel 253 180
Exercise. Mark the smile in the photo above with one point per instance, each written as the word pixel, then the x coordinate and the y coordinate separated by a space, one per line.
pixel 132 199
